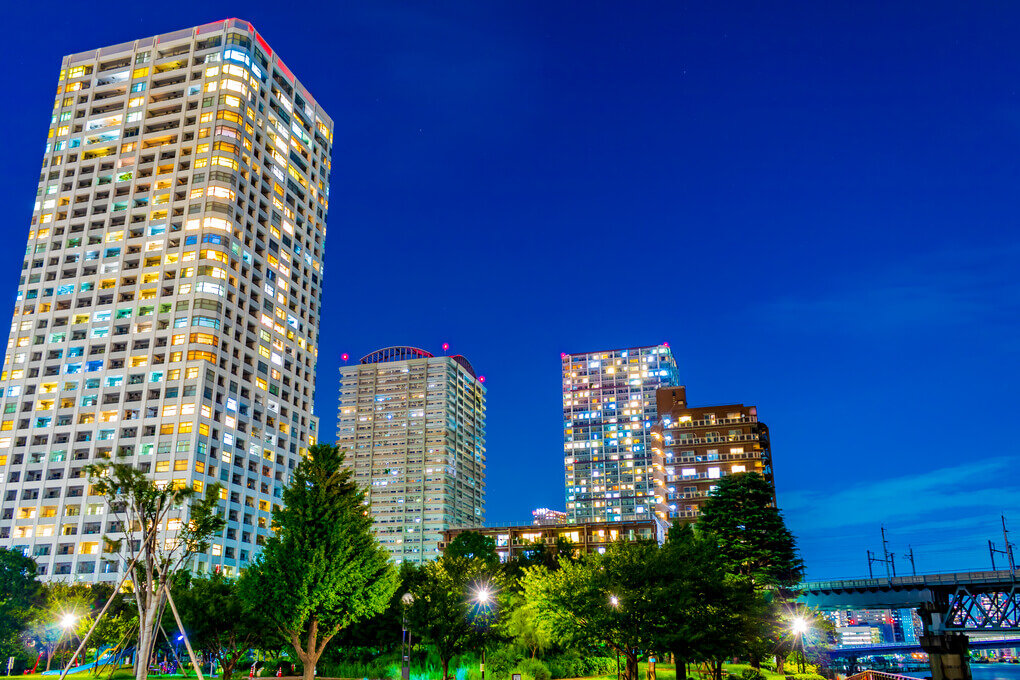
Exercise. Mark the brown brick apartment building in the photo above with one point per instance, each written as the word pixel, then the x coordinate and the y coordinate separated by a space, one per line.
pixel 701 444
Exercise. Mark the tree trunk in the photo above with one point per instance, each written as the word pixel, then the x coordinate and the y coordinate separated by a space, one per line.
pixel 49 660
pixel 446 668
pixel 311 655
pixel 632 665
pixel 227 665
pixel 780 664
pixel 146 639
pixel 681 667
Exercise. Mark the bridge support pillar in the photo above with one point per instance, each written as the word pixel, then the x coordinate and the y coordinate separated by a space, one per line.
pixel 948 656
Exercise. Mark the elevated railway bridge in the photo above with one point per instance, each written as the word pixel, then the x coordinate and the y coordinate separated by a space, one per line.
pixel 952 607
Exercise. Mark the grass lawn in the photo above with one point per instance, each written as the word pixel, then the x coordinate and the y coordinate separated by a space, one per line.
pixel 126 673
pixel 665 671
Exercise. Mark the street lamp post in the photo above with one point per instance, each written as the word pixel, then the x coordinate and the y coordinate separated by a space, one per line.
pixel 67 622
pixel 800 626
pixel 614 602
pixel 405 638
pixel 483 596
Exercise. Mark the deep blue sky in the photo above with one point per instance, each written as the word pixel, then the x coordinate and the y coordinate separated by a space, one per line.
pixel 814 203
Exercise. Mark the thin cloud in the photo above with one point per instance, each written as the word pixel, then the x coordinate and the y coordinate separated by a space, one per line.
pixel 928 291
pixel 976 487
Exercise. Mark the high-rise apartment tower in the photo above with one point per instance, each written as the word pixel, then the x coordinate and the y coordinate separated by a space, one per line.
pixel 611 471
pixel 701 444
pixel 168 305
pixel 414 428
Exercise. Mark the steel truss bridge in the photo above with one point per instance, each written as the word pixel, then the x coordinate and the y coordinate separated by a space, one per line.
pixel 964 602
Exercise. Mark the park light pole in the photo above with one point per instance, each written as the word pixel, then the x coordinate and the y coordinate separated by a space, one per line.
pixel 614 602
pixel 67 622
pixel 800 626
pixel 483 596
pixel 405 638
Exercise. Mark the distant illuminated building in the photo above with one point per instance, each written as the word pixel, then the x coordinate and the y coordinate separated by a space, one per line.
pixel 514 540
pixel 858 636
pixel 414 428
pixel 545 516
pixel 893 625
pixel 609 409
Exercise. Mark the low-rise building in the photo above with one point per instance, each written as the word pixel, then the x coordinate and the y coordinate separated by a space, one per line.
pixel 585 537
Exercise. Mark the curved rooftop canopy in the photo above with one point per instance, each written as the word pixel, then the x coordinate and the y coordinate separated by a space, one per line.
pixel 396 353
pixel 404 353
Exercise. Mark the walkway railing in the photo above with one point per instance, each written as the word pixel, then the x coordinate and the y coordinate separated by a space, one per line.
pixel 878 675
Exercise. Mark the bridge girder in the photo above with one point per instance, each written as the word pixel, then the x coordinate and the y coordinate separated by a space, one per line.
pixel 949 603
pixel 995 609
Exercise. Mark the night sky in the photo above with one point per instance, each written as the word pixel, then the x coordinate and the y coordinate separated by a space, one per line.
pixel 814 203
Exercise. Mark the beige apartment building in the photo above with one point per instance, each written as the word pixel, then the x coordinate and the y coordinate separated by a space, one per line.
pixel 168 306
pixel 414 428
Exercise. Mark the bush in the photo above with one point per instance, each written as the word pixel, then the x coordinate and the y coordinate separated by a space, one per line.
pixel 501 661
pixel 752 674
pixel 572 665
pixel 535 668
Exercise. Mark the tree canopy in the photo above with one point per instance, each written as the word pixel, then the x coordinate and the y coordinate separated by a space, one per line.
pixel 601 600
pixel 18 589
pixel 166 524
pixel 752 536
pixel 323 570
pixel 473 545
pixel 214 616
pixel 445 612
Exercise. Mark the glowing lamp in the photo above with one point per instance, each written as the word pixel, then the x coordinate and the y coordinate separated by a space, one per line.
pixel 483 596
pixel 481 378
pixel 446 346
pixel 345 356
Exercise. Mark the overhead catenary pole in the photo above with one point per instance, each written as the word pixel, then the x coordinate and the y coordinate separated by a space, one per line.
pixel 885 552
pixel 1009 546
pixel 910 556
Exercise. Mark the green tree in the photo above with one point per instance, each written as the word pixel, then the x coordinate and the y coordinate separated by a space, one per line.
pixel 376 634
pixel 474 545
pixel 750 531
pixel 165 526
pixel 57 617
pixel 755 543
pixel 323 570
pixel 216 620
pixel 444 613
pixel 18 590
pixel 701 610
pixel 525 628
pixel 600 600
